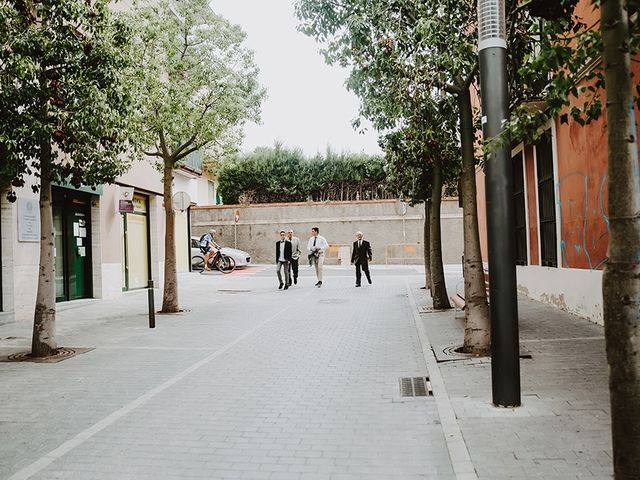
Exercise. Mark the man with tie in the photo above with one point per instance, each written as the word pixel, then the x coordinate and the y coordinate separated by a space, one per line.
pixel 283 257
pixel 316 246
pixel 360 257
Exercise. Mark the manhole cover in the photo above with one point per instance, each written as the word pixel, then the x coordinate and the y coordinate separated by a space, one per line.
pixel 415 387
pixel 61 354
pixel 333 301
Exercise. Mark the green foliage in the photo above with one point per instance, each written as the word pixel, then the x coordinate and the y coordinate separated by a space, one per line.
pixel 197 81
pixel 64 101
pixel 401 58
pixel 568 65
pixel 280 174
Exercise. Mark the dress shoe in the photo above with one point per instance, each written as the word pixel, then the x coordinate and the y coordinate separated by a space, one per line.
pixel 357 284
pixel 369 280
pixel 280 287
pixel 295 281
pixel 319 284
pixel 286 287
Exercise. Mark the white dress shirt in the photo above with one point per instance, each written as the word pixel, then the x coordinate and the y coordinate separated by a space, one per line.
pixel 321 243
pixel 282 257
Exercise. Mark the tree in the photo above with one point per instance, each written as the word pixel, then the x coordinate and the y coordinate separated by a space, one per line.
pixel 198 86
pixel 65 108
pixel 381 45
pixel 448 59
pixel 568 65
pixel 621 278
pixel 280 174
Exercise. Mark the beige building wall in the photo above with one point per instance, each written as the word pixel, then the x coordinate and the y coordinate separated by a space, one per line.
pixel 395 231
pixel 19 262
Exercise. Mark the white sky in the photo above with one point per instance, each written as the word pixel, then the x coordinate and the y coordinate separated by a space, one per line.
pixel 308 105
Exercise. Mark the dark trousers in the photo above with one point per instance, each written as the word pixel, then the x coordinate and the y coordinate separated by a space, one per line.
pixel 365 269
pixel 293 267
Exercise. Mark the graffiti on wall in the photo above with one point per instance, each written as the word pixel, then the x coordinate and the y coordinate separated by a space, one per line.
pixel 584 223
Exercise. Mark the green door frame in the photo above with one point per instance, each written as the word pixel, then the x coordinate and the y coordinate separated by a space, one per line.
pixel 63 199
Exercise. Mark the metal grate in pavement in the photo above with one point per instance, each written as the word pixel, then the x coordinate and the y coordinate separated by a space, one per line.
pixel 415 387
pixel 60 354
pixel 427 309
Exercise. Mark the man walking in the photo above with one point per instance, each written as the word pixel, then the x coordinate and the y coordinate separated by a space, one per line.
pixel 295 257
pixel 283 257
pixel 316 247
pixel 360 257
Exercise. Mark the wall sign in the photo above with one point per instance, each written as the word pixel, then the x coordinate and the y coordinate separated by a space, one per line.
pixel 125 200
pixel 28 220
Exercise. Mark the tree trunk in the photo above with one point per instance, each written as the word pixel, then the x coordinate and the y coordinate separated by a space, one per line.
pixel 170 294
pixel 438 285
pixel 427 246
pixel 477 329
pixel 43 342
pixel 621 279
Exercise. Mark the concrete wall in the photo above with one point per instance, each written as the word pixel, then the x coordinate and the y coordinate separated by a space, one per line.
pixel 571 289
pixel 395 237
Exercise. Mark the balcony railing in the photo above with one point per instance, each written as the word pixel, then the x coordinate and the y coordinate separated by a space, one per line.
pixel 193 161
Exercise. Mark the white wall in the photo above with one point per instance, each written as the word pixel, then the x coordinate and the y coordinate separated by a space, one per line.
pixel 573 290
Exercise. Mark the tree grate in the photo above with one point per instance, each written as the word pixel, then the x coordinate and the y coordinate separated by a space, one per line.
pixel 60 354
pixel 415 387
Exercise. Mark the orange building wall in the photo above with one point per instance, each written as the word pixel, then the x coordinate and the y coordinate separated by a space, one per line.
pixel 582 175
pixel 581 186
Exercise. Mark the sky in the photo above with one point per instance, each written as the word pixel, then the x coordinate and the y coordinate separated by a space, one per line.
pixel 308 105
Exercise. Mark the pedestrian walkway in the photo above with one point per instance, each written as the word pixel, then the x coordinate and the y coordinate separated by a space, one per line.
pixel 253 382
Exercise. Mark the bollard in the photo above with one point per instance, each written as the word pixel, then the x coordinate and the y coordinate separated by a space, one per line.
pixel 152 308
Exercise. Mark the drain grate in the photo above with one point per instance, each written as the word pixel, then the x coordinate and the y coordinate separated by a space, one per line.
pixel 415 387
pixel 60 354
pixel 232 291
pixel 427 309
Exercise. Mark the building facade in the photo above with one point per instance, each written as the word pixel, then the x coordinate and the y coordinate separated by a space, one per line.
pixel 104 245
pixel 560 202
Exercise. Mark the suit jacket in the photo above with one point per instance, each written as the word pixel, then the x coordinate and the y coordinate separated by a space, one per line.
pixel 361 254
pixel 295 248
pixel 287 251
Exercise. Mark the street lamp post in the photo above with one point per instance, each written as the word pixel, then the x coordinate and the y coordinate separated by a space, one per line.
pixel 505 359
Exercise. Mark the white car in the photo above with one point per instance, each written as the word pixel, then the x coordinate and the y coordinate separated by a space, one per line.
pixel 242 258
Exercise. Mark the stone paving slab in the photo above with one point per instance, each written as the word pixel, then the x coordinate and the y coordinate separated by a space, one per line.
pixel 563 429
pixel 263 384
pixel 259 383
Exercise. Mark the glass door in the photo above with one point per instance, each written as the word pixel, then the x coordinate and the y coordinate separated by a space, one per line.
pixel 72 242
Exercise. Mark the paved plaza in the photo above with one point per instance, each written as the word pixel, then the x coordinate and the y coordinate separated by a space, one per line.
pixel 252 382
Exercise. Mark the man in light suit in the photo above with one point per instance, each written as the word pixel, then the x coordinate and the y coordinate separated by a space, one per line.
pixel 295 257
pixel 283 257
pixel 360 257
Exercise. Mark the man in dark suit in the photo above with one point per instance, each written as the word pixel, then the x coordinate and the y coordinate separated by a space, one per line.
pixel 360 257
pixel 283 257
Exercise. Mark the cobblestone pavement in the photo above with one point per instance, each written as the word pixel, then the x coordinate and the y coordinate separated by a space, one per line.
pixel 299 384
pixel 563 428
pixel 256 383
